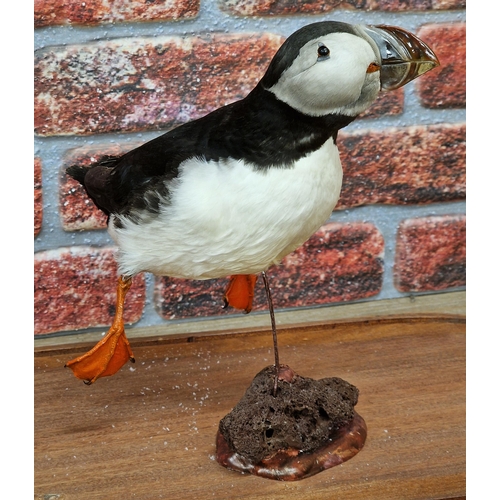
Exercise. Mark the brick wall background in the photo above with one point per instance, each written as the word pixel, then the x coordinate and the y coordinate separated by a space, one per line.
pixel 111 75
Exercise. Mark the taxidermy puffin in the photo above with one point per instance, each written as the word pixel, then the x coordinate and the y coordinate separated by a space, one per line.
pixel 235 191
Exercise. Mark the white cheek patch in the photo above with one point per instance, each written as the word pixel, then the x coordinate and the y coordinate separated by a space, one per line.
pixel 315 85
pixel 328 86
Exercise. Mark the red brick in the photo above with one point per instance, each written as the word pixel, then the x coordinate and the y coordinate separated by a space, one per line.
pixel 405 166
pixel 76 209
pixel 75 288
pixel 430 254
pixel 444 87
pixel 283 7
pixel 144 83
pixel 421 164
pixel 178 299
pixel 341 262
pixel 38 195
pixel 414 5
pixel 54 12
pixel 286 7
pixel 400 5
pixel 448 4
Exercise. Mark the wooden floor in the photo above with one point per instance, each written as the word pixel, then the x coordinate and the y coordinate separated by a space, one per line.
pixel 149 431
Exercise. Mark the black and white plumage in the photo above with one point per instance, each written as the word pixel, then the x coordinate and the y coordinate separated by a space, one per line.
pixel 235 191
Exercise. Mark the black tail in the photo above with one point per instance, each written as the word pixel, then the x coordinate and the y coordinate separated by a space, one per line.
pixel 78 173
pixel 95 179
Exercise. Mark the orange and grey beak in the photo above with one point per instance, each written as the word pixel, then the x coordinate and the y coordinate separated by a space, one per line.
pixel 404 56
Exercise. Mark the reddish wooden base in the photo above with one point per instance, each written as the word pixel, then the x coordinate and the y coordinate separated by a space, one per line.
pixel 291 464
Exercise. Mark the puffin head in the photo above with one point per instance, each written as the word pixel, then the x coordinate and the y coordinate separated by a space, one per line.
pixel 337 68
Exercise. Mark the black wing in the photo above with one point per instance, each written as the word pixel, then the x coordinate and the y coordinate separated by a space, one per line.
pixel 118 184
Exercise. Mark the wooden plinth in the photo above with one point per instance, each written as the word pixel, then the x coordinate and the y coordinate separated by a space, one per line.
pixel 149 431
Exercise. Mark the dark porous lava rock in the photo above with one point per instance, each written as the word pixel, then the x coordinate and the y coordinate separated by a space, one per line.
pixel 304 415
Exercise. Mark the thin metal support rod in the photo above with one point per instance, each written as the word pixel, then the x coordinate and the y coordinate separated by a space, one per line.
pixel 275 334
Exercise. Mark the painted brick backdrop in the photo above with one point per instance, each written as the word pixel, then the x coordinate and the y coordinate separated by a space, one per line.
pixel 111 75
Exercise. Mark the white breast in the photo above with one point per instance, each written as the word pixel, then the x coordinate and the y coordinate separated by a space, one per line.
pixel 228 218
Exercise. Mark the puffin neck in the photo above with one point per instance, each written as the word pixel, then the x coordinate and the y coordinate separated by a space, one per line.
pixel 273 134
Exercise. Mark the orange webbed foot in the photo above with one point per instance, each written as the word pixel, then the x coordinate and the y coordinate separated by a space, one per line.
pixel 240 291
pixel 110 353
pixel 105 358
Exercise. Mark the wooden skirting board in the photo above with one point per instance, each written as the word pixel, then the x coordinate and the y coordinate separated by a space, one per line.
pixel 433 305
pixel 149 431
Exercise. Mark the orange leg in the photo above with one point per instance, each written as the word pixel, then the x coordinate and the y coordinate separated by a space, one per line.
pixel 112 352
pixel 239 292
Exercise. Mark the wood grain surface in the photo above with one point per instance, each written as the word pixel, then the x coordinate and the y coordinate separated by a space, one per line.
pixel 149 431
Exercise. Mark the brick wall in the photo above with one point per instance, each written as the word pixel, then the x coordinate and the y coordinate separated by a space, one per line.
pixel 111 75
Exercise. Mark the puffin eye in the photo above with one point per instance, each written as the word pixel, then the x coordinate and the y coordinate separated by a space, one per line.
pixel 323 52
